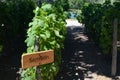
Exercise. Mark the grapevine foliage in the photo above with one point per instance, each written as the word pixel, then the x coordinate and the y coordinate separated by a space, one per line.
pixel 99 19
pixel 49 25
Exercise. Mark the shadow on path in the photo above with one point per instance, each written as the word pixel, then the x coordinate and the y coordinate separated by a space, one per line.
pixel 81 58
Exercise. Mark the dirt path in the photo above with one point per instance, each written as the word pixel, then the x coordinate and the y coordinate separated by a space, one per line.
pixel 81 58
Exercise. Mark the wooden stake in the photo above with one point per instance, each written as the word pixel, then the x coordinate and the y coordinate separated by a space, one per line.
pixel 114 54
pixel 37 48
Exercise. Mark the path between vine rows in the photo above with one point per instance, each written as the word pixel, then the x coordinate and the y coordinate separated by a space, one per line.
pixel 81 58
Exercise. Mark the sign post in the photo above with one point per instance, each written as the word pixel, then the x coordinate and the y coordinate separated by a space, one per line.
pixel 114 54
pixel 37 48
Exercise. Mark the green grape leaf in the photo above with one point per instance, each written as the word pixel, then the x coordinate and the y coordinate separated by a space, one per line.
pixel 57 33
pixel 47 7
pixel 41 23
pixel 43 36
pixel 47 33
pixel 30 41
pixel 52 42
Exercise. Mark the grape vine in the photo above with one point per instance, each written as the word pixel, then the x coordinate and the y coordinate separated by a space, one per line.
pixel 49 25
pixel 98 19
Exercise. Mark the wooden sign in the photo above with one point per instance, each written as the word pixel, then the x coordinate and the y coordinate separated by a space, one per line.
pixel 37 58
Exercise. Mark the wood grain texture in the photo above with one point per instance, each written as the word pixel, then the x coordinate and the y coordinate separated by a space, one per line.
pixel 114 54
pixel 37 58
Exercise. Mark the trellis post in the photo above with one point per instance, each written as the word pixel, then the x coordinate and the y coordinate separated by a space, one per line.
pixel 114 53
pixel 37 48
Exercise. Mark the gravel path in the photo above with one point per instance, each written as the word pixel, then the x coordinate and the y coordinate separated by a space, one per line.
pixel 81 58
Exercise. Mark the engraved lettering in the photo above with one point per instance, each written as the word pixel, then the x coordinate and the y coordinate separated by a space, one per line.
pixel 39 58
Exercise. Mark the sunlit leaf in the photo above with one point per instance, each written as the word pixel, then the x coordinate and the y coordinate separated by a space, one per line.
pixel 47 7
pixel 43 36
pixel 47 33
pixel 57 33
pixel 30 41
pixel 41 23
